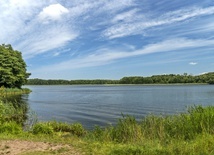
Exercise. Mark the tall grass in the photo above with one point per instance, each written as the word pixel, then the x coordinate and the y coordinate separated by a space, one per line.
pixel 13 91
pixel 187 133
pixel 186 126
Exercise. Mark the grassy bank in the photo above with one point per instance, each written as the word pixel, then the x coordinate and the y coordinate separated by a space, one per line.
pixel 188 133
pixel 13 91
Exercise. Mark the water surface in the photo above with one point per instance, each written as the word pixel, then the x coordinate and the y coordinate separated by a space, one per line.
pixel 103 105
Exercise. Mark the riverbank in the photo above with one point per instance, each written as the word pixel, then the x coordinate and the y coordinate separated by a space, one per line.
pixel 13 91
pixel 187 133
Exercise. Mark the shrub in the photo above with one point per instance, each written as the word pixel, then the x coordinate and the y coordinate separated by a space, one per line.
pixel 10 128
pixel 77 129
pixel 42 128
pixel 59 126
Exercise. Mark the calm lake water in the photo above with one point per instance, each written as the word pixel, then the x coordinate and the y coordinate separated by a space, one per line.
pixel 103 105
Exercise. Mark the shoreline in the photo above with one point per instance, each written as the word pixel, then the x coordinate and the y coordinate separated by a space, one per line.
pixel 171 84
pixel 153 135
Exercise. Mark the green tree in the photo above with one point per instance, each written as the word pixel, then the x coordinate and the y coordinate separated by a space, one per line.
pixel 13 73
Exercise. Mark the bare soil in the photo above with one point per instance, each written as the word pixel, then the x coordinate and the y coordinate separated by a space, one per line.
pixel 18 147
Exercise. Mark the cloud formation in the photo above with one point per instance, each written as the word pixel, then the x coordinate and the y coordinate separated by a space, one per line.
pixel 53 12
pixel 106 56
pixel 138 24
pixel 100 32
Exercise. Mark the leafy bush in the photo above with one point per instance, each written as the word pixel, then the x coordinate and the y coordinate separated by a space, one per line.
pixel 42 128
pixel 10 128
pixel 75 129
pixel 59 126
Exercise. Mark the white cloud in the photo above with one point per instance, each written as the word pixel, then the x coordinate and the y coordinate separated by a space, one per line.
pixel 13 18
pixel 115 5
pixel 46 39
pixel 21 26
pixel 137 27
pixel 193 63
pixel 53 12
pixel 36 27
pixel 105 56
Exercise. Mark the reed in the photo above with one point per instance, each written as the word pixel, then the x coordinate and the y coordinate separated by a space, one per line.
pixel 187 133
pixel 186 126
pixel 13 91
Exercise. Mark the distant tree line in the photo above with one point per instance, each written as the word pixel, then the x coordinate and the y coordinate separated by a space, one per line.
pixel 155 79
pixel 69 82
pixel 169 79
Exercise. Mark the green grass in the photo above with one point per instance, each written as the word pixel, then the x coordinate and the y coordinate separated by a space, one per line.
pixel 13 91
pixel 186 133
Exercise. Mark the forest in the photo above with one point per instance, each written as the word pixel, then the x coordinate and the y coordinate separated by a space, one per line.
pixel 207 78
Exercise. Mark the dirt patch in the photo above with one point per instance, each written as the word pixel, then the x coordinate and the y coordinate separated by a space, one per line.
pixel 17 147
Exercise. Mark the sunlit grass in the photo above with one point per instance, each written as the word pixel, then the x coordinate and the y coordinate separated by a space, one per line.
pixel 13 91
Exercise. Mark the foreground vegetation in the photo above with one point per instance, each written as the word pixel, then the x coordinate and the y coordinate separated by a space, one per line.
pixel 155 79
pixel 5 92
pixel 187 133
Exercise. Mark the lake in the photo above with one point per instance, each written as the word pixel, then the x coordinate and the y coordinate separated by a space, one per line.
pixel 103 105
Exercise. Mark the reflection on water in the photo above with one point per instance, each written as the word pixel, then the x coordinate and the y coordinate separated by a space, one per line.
pixel 103 105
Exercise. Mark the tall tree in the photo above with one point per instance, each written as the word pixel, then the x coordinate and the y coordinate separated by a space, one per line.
pixel 13 72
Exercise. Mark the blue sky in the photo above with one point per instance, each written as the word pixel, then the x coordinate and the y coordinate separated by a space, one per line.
pixel 110 39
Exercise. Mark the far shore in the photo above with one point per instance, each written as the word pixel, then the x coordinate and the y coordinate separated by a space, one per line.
pixel 161 84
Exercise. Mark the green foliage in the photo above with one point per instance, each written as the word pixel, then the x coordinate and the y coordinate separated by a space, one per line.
pixel 13 112
pixel 5 92
pixel 187 133
pixel 10 127
pixel 126 130
pixel 128 150
pixel 169 79
pixel 67 82
pixel 75 129
pixel 202 145
pixel 155 79
pixel 187 126
pixel 42 128
pixel 198 120
pixel 12 68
